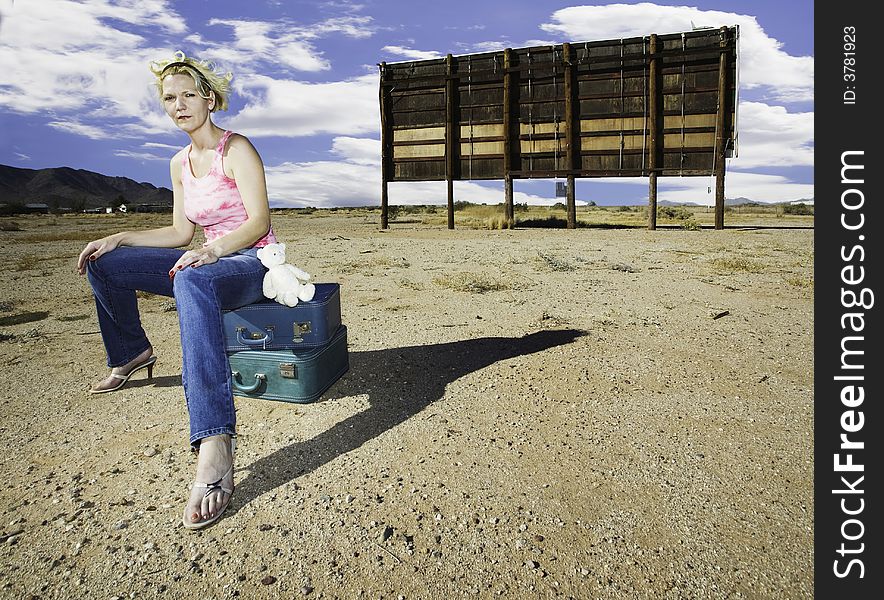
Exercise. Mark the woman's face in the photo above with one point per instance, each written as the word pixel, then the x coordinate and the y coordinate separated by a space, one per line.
pixel 183 103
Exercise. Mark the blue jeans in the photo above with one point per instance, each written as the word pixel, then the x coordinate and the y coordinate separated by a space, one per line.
pixel 200 295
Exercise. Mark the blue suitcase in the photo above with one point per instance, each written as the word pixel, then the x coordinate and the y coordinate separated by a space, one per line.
pixel 300 376
pixel 269 325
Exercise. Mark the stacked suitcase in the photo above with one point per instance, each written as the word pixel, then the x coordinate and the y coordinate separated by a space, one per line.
pixel 292 354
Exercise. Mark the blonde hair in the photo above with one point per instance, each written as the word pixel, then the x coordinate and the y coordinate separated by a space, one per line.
pixel 204 73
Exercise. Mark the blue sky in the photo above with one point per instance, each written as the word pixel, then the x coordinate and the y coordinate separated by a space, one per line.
pixel 75 89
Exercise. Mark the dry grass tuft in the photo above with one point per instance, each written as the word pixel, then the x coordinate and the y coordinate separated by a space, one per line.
pixel 735 265
pixel 9 226
pixel 370 265
pixel 69 318
pixel 473 283
pixel 800 282
pixel 498 222
pixel 29 262
pixel 410 284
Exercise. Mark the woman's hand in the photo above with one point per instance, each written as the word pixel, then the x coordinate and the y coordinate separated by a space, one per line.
pixel 94 249
pixel 195 258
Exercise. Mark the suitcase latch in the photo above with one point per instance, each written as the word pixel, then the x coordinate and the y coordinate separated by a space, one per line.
pixel 254 335
pixel 287 370
pixel 299 330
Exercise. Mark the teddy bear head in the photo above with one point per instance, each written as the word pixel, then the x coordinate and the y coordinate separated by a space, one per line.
pixel 272 254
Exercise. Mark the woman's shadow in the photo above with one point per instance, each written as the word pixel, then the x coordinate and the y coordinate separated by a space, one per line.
pixel 400 382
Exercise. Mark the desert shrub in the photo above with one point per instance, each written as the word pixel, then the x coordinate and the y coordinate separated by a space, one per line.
pixel 554 263
pixel 678 213
pixel 520 207
pixel 797 209
pixel 691 224
pixel 461 205
pixel 9 226
pixel 558 206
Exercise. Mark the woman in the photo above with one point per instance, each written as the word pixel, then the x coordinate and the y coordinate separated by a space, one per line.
pixel 217 183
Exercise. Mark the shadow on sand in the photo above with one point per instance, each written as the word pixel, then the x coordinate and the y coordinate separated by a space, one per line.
pixel 400 382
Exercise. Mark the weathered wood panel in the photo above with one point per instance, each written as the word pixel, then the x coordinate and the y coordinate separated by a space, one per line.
pixel 512 113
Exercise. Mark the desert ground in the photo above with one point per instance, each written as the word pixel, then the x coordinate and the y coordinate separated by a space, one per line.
pixel 601 412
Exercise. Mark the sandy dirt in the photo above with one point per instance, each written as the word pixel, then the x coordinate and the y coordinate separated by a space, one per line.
pixel 532 413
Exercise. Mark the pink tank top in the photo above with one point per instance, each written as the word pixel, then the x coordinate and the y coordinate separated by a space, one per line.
pixel 213 201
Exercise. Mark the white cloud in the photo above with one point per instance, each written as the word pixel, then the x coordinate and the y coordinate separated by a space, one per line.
pixel 343 183
pixel 295 108
pixel 763 64
pixel 77 128
pixel 280 42
pixel 257 40
pixel 323 184
pixel 355 27
pixel 411 54
pixel 755 186
pixel 362 151
pixel 72 58
pixel 356 181
pixel 770 136
pixel 161 146
pixel 491 46
pixel 140 155
pixel 436 192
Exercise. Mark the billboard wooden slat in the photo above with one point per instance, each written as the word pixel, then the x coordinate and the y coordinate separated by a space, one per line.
pixel 508 112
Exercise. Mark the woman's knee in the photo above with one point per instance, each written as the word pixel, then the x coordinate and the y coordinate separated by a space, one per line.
pixel 190 279
pixel 110 262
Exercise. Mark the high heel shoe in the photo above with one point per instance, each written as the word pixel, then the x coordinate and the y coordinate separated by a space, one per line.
pixel 123 379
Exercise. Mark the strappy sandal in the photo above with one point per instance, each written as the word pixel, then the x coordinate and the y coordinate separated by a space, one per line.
pixel 212 487
pixel 124 379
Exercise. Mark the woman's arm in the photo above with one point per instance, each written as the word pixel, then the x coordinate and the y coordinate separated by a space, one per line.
pixel 179 233
pixel 247 169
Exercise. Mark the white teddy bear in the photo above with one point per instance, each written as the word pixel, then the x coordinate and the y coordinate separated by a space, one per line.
pixel 284 282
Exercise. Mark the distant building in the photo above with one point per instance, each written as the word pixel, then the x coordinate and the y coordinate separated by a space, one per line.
pixel 150 208
pixel 36 207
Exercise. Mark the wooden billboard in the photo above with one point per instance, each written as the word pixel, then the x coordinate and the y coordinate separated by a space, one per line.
pixel 659 105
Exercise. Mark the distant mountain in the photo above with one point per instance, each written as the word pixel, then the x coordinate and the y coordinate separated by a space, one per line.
pixel 732 202
pixel 76 189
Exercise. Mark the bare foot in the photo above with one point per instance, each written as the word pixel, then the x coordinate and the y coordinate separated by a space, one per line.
pixel 119 375
pixel 214 469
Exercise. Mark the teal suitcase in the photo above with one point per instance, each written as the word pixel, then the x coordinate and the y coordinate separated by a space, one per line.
pixel 300 376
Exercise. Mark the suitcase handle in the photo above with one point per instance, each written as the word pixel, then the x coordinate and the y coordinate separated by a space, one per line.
pixel 250 341
pixel 259 377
